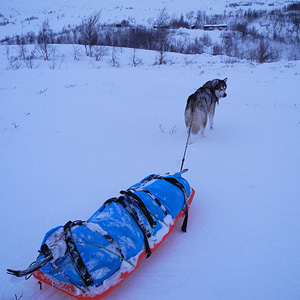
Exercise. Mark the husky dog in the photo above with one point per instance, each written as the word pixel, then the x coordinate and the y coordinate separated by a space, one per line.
pixel 203 103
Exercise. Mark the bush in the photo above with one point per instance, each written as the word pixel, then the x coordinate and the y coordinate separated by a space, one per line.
pixel 249 35
pixel 178 23
pixel 293 7
pixel 217 49
pixel 263 53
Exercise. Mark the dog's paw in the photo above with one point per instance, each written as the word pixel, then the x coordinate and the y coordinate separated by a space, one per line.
pixel 191 140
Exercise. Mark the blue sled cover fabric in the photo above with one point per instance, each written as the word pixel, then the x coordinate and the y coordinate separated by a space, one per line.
pixel 86 253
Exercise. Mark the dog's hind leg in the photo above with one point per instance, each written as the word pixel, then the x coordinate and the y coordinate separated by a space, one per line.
pixel 193 130
pixel 191 139
pixel 202 123
pixel 195 126
pixel 202 129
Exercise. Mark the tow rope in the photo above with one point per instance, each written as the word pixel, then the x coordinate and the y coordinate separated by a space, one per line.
pixel 188 137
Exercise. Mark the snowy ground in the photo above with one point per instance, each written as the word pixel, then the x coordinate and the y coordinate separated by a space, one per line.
pixel 72 137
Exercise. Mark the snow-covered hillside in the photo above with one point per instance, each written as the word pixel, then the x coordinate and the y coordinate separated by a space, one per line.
pixel 74 134
pixel 29 17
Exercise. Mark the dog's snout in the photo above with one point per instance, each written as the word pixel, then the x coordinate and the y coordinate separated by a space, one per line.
pixel 225 95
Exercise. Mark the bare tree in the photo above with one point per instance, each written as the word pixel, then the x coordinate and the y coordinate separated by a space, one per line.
pixel 114 58
pixel 22 47
pixel 162 27
pixel 44 40
pixel 14 61
pixel 160 58
pixel 56 59
pixel 89 28
pixel 28 58
pixel 76 52
pixel 99 52
pixel 134 60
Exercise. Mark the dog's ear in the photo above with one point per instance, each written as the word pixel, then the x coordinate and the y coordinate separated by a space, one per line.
pixel 225 80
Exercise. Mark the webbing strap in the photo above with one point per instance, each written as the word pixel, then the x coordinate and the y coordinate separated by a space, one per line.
pixel 72 249
pixel 114 243
pixel 127 205
pixel 157 201
pixel 178 184
pixel 141 205
pixel 146 233
pixel 146 180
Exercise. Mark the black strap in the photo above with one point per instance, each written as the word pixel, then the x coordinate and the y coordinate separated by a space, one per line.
pixel 146 180
pixel 157 201
pixel 178 184
pixel 36 265
pixel 72 249
pixel 141 205
pixel 127 205
pixel 109 201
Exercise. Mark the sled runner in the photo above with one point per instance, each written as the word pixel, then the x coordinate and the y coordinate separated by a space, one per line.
pixel 88 259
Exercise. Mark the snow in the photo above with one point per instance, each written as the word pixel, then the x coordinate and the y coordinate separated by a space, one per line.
pixel 29 17
pixel 72 137
pixel 56 245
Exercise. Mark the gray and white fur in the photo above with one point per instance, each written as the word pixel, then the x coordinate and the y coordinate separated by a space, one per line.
pixel 204 102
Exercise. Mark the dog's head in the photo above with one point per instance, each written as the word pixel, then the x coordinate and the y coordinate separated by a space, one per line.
pixel 219 87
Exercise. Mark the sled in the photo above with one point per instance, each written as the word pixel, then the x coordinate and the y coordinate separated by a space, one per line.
pixel 171 194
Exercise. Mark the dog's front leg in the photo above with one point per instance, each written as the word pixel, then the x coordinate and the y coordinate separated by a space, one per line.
pixel 211 115
pixel 211 120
